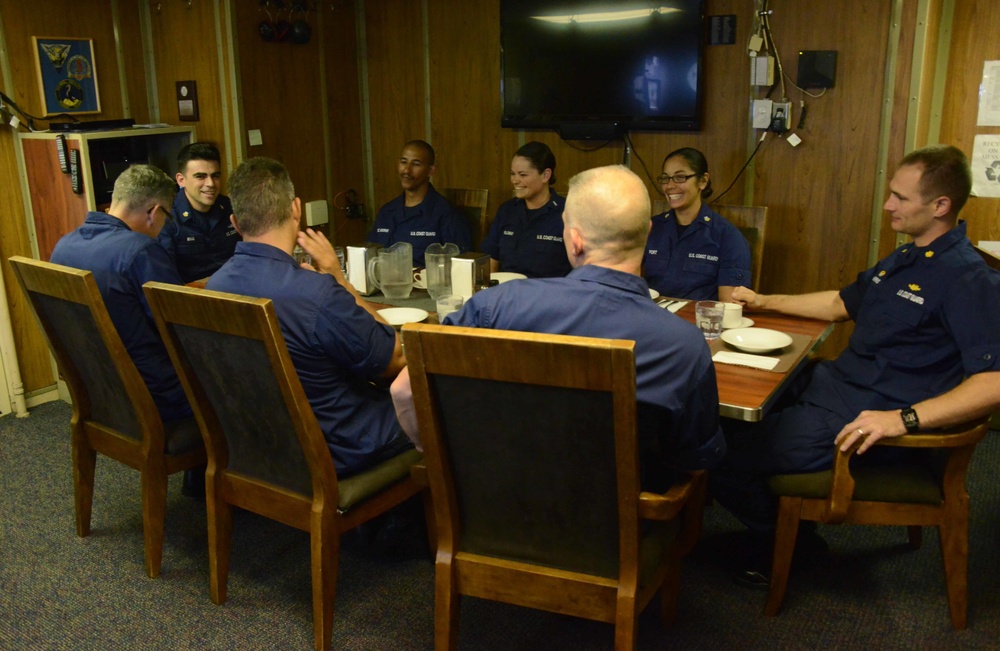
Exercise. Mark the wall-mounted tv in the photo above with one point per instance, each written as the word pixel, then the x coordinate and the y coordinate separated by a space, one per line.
pixel 597 69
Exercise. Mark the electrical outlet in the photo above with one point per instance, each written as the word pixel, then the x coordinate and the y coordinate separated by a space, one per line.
pixel 762 109
pixel 781 117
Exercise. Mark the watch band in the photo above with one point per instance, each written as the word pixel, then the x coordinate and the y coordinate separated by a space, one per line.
pixel 910 420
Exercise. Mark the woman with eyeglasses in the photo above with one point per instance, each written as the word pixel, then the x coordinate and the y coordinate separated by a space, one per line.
pixel 692 251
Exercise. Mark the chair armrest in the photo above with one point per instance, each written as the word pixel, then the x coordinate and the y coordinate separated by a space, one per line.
pixel 654 506
pixel 842 483
pixel 954 437
pixel 841 486
pixel 418 473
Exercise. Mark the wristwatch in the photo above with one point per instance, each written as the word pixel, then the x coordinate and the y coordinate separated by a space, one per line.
pixel 910 420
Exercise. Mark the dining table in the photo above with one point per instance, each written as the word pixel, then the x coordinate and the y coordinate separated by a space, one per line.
pixel 746 393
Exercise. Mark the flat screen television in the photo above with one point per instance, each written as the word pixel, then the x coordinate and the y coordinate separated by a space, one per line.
pixel 598 69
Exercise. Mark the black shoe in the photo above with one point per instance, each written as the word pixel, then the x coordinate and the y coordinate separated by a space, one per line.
pixel 194 484
pixel 755 572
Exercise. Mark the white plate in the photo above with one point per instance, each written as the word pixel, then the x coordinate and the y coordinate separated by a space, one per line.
pixel 504 276
pixel 745 323
pixel 653 294
pixel 397 316
pixel 756 340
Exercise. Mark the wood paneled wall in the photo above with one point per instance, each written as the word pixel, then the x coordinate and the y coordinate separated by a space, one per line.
pixel 185 46
pixel 972 43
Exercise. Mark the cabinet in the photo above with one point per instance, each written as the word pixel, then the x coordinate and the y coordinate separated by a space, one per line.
pixel 55 209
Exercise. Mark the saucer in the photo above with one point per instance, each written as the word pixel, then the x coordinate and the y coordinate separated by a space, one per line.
pixel 744 323
pixel 397 316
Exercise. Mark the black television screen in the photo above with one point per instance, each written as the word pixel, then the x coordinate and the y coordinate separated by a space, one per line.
pixel 596 69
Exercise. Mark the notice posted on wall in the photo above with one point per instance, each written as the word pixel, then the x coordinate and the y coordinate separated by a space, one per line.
pixel 989 96
pixel 986 166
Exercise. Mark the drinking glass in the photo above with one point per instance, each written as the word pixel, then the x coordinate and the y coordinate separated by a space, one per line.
pixel 708 317
pixel 447 304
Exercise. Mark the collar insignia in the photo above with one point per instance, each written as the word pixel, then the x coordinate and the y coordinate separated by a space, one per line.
pixel 929 254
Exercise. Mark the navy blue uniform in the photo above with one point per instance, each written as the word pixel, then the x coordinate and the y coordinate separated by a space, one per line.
pixel 710 252
pixel 432 221
pixel 926 318
pixel 335 346
pixel 529 242
pixel 199 242
pixel 121 261
pixel 675 377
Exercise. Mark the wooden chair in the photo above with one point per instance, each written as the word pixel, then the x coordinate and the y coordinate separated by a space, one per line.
pixel 472 204
pixel 532 463
pixel 991 259
pixel 266 452
pixel 913 494
pixel 752 222
pixel 113 412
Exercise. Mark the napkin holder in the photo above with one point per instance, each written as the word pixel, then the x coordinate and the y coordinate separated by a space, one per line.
pixel 357 267
pixel 470 272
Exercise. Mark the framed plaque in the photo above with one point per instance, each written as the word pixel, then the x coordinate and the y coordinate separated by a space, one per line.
pixel 67 76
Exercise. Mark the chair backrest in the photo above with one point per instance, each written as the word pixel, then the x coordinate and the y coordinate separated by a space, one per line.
pixel 472 204
pixel 231 357
pixel 530 444
pixel 991 259
pixel 752 222
pixel 102 379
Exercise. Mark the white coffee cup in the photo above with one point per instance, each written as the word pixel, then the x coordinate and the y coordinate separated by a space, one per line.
pixel 733 315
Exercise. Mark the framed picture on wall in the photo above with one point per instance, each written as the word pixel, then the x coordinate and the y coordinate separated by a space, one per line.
pixel 67 76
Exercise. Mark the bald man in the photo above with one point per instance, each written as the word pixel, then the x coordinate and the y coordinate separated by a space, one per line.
pixel 605 224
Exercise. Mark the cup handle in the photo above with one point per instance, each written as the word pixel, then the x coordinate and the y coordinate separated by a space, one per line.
pixel 372 273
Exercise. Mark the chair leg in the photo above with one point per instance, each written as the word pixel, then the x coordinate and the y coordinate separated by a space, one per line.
pixel 429 516
pixel 446 603
pixel 670 593
pixel 916 535
pixel 220 533
pixel 787 530
pixel 84 462
pixel 625 623
pixel 324 552
pixel 954 535
pixel 153 480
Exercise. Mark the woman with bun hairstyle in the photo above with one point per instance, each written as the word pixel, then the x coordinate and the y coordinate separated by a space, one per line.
pixel 527 234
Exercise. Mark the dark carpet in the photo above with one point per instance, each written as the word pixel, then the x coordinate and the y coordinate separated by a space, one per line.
pixel 58 591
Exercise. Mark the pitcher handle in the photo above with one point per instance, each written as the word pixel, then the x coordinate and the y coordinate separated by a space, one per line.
pixel 372 274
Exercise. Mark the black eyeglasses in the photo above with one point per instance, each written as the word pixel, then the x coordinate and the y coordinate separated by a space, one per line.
pixel 676 178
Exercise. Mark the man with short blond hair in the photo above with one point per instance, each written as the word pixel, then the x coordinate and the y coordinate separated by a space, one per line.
pixel 606 220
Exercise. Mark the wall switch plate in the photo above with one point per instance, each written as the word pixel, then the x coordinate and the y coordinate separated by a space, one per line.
pixel 255 138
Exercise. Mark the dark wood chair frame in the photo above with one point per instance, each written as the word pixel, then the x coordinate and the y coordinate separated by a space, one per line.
pixel 950 516
pixel 472 204
pixel 142 449
pixel 556 361
pixel 316 512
